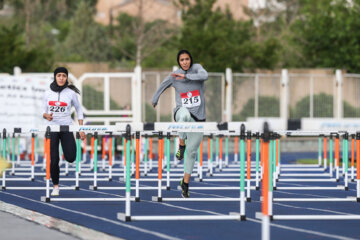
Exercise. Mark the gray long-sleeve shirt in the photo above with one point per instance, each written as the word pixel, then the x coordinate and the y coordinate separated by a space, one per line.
pixel 189 92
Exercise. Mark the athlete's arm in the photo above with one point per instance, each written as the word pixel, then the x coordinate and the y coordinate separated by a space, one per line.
pixel 45 115
pixel 200 75
pixel 80 114
pixel 163 86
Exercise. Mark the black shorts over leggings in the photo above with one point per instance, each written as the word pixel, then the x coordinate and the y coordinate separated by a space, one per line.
pixel 69 149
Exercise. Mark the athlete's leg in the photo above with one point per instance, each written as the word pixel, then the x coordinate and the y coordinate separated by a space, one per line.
pixel 68 145
pixel 54 157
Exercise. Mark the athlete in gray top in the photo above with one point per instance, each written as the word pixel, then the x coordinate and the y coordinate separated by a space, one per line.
pixel 188 82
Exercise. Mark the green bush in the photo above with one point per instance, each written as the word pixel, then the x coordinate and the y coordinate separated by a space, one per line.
pixel 150 113
pixel 94 100
pixel 323 107
pixel 268 107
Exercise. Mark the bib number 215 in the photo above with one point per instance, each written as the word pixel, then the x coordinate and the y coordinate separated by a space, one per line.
pixel 191 99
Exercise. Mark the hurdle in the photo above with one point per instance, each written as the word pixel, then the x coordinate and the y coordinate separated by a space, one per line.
pixel 95 130
pixel 325 199
pixel 178 127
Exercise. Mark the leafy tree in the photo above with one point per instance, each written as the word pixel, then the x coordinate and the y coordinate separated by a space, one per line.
pixel 86 40
pixel 327 33
pixel 136 40
pixel 13 52
pixel 218 41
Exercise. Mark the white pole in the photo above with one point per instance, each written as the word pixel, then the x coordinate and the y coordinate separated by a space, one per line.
pixel 137 189
pixel 270 196
pixel 32 172
pixel 284 94
pixel 339 82
pixel 159 189
pixel 242 204
pixel 228 109
pixel 127 205
pixel 248 197
pixel 137 92
pixel 66 168
pixel 265 228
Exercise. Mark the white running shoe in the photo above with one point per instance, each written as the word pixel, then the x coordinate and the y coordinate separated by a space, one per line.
pixel 55 192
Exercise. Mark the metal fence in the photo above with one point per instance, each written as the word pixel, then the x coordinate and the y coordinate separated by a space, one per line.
pixel 214 97
pixel 229 96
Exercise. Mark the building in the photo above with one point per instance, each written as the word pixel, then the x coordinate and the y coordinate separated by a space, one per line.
pixel 107 10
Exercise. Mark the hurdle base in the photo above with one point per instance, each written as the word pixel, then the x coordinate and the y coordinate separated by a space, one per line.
pixel 91 187
pixel 346 188
pixel 358 199
pixel 197 179
pixel 257 188
pixel 3 188
pixel 77 188
pixel 248 199
pixel 352 180
pixel 240 217
pixel 121 179
pixel 110 179
pixel 274 188
pixel 32 179
pixel 168 188
pixel 45 199
pixel 156 199
pixel 123 217
pixel 12 174
pixel 337 180
pixel 137 199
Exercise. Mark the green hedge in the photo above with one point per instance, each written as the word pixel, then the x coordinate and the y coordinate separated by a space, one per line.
pixel 268 107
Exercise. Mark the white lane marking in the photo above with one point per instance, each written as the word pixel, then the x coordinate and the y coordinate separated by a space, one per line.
pixel 331 236
pixel 157 234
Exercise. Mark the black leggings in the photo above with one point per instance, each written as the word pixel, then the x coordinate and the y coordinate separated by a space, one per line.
pixel 69 149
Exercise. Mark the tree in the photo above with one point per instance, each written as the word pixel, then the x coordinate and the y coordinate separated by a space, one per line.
pixel 86 40
pixel 13 52
pixel 135 39
pixel 218 41
pixel 328 35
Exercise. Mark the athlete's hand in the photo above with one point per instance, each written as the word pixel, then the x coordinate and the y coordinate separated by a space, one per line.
pixel 178 76
pixel 48 117
pixel 82 135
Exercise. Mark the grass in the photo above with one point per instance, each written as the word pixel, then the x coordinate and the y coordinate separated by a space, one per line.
pixel 315 161
pixel 306 161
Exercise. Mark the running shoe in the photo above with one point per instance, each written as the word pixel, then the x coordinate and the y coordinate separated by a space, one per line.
pixel 180 153
pixel 185 189
pixel 55 192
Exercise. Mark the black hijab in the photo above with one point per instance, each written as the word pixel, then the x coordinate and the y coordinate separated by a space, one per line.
pixel 182 52
pixel 56 88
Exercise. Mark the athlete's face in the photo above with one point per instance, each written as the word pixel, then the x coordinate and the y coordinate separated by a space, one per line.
pixel 61 79
pixel 185 61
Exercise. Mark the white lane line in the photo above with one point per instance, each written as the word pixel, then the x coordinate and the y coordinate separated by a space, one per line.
pixel 55 223
pixel 157 234
pixel 310 208
pixel 331 236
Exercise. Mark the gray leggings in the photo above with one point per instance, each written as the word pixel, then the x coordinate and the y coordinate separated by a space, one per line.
pixel 193 139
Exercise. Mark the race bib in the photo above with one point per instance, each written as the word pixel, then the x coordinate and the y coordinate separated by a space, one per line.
pixel 57 107
pixel 191 99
